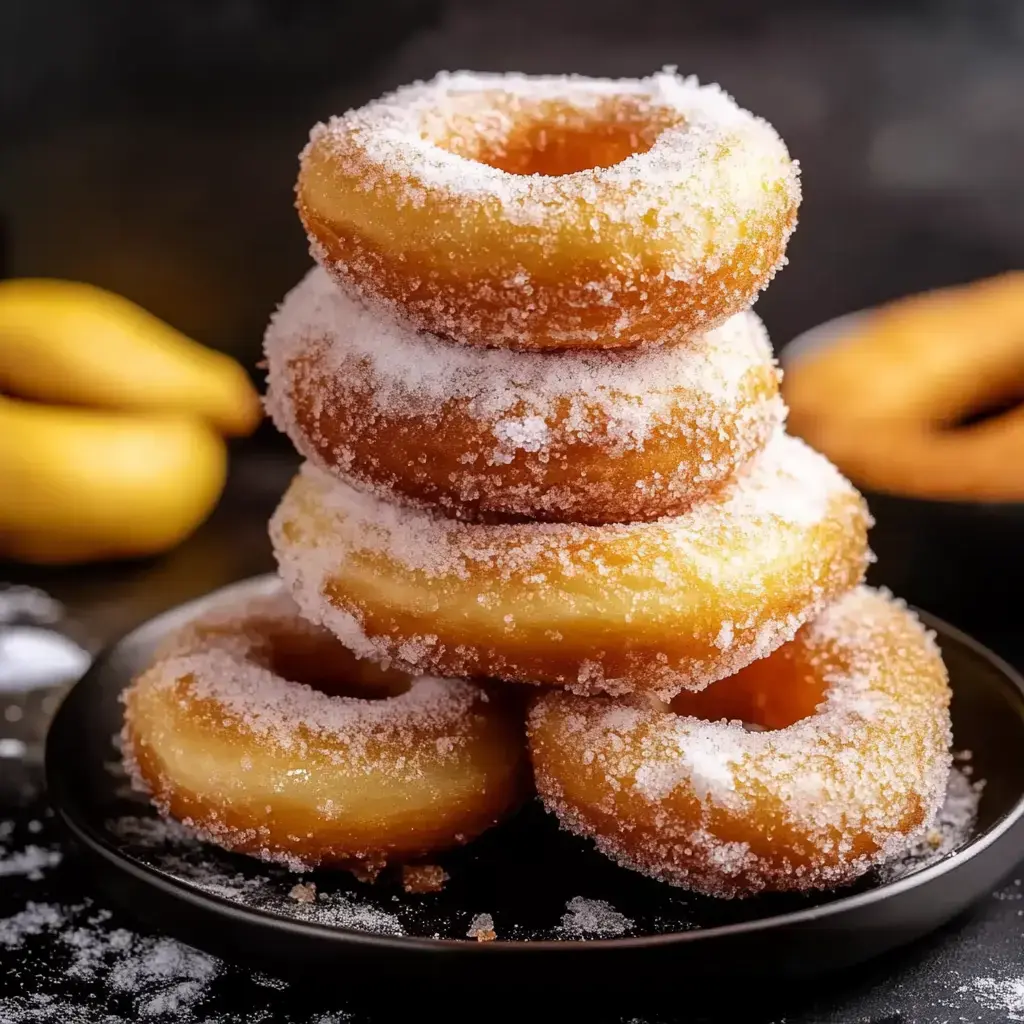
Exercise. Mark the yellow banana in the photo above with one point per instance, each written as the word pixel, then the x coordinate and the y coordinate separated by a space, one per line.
pixel 61 341
pixel 80 484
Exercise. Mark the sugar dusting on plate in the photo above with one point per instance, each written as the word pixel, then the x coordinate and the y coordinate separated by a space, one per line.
pixel 592 919
pixel 951 829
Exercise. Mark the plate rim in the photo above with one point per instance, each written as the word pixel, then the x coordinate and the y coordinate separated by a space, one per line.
pixel 93 838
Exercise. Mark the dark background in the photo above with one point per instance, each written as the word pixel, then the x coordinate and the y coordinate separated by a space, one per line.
pixel 151 147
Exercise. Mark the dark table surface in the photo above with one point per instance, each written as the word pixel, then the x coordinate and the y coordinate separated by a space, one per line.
pixel 972 971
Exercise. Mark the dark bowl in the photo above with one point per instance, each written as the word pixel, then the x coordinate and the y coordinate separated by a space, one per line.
pixel 524 873
pixel 936 554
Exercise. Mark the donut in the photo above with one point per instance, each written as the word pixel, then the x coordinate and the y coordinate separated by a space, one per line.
pixel 551 212
pixel 849 767
pixel 656 607
pixel 923 397
pixel 591 437
pixel 264 735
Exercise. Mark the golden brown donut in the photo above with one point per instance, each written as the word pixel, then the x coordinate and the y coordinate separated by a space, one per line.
pixel 267 737
pixel 850 770
pixel 889 400
pixel 590 437
pixel 657 607
pixel 551 212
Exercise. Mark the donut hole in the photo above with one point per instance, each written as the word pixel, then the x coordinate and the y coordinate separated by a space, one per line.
pixel 773 693
pixel 549 139
pixel 322 663
pixel 986 412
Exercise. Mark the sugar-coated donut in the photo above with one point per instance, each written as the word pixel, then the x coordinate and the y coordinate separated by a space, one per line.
pixel 551 212
pixel 591 437
pixel 852 767
pixel 895 402
pixel 660 606
pixel 267 737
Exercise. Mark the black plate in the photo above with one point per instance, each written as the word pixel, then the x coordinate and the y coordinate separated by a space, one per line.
pixel 912 538
pixel 525 873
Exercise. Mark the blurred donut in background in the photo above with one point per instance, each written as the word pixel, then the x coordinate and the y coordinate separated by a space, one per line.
pixel 922 397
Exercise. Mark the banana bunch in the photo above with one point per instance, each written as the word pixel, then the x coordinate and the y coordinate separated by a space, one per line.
pixel 111 425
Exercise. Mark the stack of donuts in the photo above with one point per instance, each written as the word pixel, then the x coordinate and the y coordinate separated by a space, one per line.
pixel 545 445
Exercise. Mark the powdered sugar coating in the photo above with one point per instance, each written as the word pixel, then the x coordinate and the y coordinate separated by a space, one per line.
pixel 659 207
pixel 611 608
pixel 716 807
pixel 591 436
pixel 225 660
pixel 225 739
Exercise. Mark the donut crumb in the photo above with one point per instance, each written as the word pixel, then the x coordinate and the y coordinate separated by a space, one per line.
pixel 481 928
pixel 366 871
pixel 421 878
pixel 303 892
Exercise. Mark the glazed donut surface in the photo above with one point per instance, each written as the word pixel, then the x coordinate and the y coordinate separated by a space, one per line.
pixel 267 737
pixel 678 602
pixel 893 403
pixel 591 437
pixel 548 212
pixel 851 770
